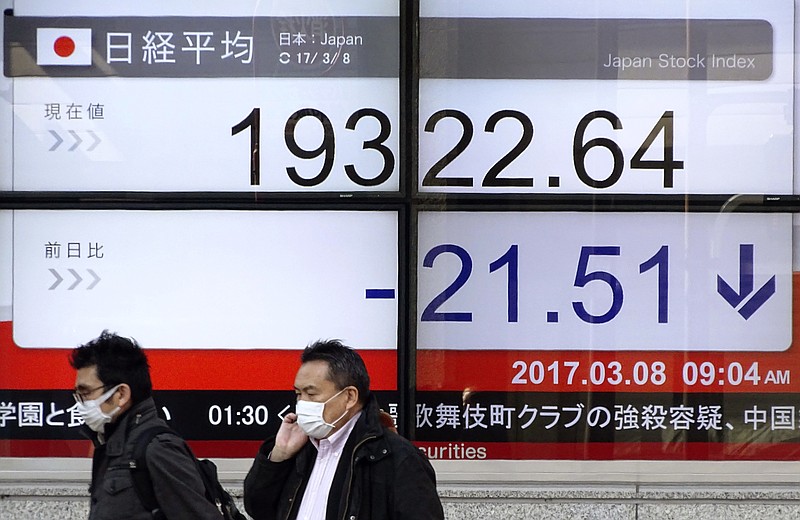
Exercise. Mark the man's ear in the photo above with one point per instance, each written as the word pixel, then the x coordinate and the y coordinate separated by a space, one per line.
pixel 352 396
pixel 124 397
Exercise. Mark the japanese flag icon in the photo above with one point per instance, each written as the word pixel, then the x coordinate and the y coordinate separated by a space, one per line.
pixel 63 46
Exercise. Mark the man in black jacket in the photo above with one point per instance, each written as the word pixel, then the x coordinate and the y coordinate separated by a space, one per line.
pixel 113 396
pixel 333 459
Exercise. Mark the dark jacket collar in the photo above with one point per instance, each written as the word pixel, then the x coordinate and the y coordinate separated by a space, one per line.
pixel 369 424
pixel 117 432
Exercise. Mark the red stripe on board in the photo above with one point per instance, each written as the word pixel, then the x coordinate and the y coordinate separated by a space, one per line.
pixel 470 450
pixel 495 370
pixel 83 448
pixel 46 369
pixel 45 448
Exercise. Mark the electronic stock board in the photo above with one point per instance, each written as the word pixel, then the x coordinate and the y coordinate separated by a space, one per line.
pixel 228 184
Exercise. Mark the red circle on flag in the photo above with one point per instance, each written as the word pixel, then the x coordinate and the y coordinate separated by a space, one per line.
pixel 64 46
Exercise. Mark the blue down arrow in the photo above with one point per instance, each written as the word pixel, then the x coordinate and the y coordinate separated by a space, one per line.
pixel 746 277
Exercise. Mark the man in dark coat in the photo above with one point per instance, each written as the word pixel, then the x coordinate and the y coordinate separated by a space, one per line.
pixel 333 459
pixel 113 395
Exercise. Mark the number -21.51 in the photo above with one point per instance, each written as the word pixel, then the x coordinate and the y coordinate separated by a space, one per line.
pixel 510 261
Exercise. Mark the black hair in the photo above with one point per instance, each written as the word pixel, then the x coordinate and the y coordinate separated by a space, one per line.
pixel 345 366
pixel 117 360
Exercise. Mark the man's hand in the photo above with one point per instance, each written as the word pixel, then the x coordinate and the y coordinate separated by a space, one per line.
pixel 289 440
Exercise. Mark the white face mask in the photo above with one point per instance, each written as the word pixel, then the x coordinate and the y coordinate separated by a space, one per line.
pixel 311 420
pixel 93 416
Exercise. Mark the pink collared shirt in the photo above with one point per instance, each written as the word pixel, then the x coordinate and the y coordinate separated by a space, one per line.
pixel 329 453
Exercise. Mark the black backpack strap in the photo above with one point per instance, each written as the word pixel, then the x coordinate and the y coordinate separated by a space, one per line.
pixel 142 482
pixel 216 493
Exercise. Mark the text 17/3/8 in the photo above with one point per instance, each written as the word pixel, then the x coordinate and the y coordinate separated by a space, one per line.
pixel 642 373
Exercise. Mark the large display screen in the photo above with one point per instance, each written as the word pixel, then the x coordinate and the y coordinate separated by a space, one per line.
pixel 156 122
pixel 222 300
pixel 654 333
pixel 554 230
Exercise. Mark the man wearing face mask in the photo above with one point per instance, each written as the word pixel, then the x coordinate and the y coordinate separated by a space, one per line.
pixel 113 396
pixel 333 459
